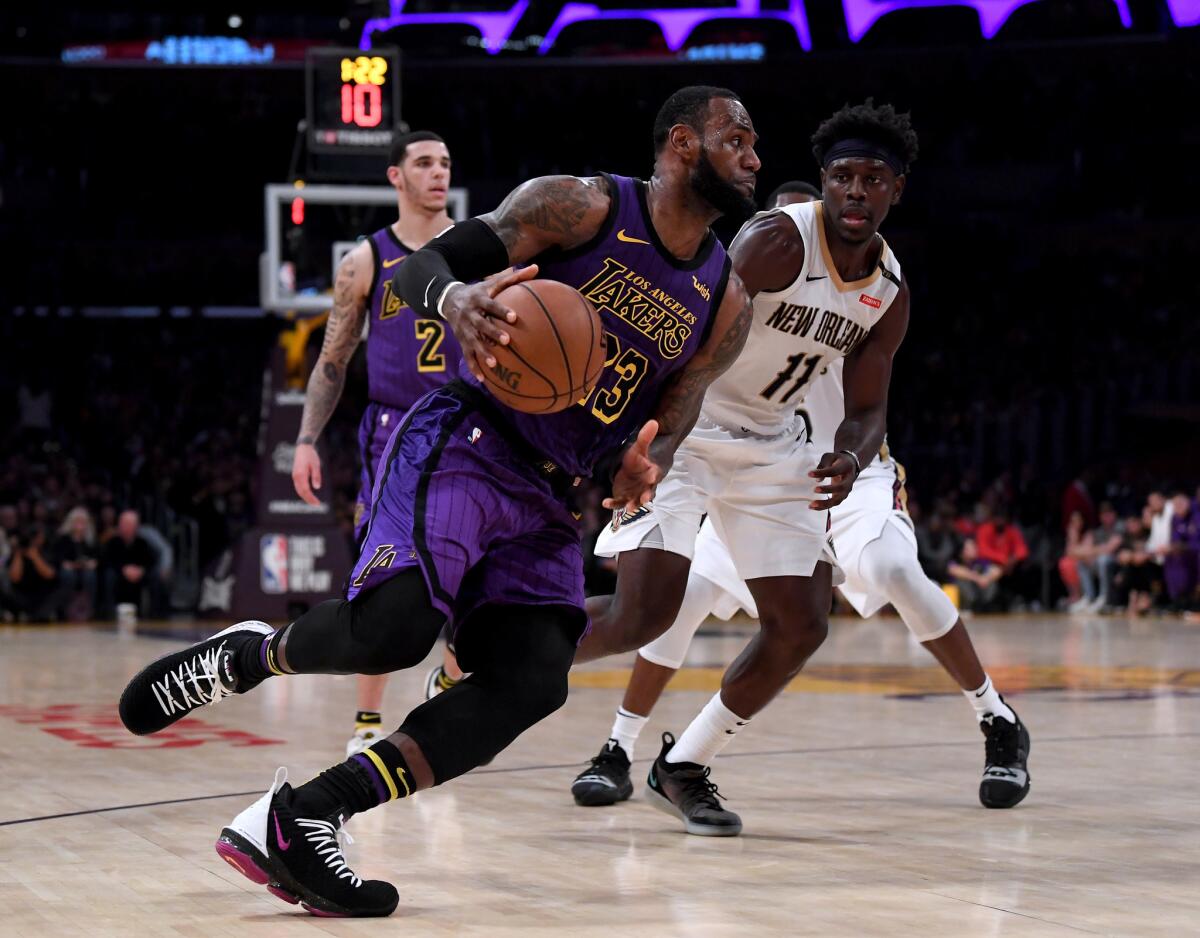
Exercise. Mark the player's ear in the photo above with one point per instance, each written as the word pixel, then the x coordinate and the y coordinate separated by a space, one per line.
pixel 899 190
pixel 395 177
pixel 822 182
pixel 683 140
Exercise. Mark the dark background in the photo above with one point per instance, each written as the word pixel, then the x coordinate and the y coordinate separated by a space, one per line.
pixel 1048 230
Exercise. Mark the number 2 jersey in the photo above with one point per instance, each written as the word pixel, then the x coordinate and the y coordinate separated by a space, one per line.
pixel 799 332
pixel 406 357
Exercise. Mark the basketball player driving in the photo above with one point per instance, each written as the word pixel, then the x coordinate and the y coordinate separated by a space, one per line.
pixel 470 522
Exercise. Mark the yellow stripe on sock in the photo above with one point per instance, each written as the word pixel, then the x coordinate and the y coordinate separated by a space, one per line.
pixel 387 776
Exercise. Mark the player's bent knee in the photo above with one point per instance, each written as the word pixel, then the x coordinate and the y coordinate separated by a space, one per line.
pixel 797 635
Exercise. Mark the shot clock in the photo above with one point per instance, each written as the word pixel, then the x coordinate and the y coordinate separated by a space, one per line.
pixel 353 99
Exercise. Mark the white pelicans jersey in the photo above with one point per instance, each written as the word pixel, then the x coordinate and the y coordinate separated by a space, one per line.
pixel 798 332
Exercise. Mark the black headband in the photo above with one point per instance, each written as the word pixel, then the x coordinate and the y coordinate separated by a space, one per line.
pixel 854 146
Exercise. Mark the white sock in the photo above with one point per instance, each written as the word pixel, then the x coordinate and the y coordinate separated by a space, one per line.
pixel 986 699
pixel 711 731
pixel 626 728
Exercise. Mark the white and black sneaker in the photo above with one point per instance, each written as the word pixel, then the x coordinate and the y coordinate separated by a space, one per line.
pixel 606 779
pixel 176 684
pixel 299 859
pixel 438 681
pixel 683 789
pixel 1005 772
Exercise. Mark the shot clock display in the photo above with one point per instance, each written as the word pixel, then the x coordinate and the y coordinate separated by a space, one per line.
pixel 353 99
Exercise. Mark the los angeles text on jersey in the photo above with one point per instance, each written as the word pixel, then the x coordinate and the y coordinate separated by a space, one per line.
pixel 832 329
pixel 651 311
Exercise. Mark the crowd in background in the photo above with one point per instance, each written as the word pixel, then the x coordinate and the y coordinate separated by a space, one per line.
pixel 94 486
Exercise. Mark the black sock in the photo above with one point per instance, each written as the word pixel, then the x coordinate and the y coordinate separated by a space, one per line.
pixel 258 660
pixel 376 775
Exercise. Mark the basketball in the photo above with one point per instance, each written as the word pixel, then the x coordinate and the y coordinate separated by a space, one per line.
pixel 556 349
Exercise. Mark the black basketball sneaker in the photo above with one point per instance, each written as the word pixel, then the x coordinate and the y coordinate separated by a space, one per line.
pixel 1005 773
pixel 606 779
pixel 683 789
pixel 300 859
pixel 170 688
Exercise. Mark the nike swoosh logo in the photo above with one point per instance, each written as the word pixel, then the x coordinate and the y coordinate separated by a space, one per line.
pixel 393 263
pixel 427 286
pixel 621 236
pixel 279 833
pixel 653 779
pixel 810 278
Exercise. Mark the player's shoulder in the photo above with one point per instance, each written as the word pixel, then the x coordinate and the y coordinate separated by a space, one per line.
pixel 769 252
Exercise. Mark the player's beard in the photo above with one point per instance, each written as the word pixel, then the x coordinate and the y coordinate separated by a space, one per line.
pixel 723 196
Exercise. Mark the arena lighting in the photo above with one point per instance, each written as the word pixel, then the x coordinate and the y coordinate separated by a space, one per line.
pixel 1185 12
pixel 861 15
pixel 678 24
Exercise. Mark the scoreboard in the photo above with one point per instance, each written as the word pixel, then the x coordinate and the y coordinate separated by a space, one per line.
pixel 353 99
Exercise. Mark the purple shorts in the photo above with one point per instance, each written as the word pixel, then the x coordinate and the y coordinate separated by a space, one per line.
pixel 483 519
pixel 374 430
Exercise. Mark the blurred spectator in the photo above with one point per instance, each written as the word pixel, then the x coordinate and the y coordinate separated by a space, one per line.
pixel 78 557
pixel 1077 498
pixel 33 576
pixel 108 525
pixel 1000 542
pixel 1106 540
pixel 127 559
pixel 1180 568
pixel 158 579
pixel 1157 518
pixel 937 544
pixel 1075 566
pixel 977 578
pixel 1136 574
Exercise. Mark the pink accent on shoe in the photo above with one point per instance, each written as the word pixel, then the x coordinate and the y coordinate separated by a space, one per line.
pixel 279 833
pixel 242 862
pixel 321 913
pixel 282 893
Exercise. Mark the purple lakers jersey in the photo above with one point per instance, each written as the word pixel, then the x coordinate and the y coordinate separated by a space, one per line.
pixel 657 311
pixel 406 356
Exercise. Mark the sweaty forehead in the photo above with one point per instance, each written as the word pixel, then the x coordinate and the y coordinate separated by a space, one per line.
pixel 728 112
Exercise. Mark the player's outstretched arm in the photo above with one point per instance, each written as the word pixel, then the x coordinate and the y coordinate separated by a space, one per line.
pixel 343 332
pixel 544 213
pixel 649 458
pixel 867 374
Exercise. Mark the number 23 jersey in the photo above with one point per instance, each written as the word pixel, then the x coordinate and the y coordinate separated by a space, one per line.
pixel 798 332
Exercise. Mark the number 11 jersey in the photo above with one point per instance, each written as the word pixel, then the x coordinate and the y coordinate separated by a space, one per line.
pixel 798 332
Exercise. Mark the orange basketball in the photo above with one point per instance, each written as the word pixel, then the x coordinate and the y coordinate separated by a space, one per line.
pixel 556 348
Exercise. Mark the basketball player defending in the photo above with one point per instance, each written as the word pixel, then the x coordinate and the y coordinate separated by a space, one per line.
pixel 406 358
pixel 470 523
pixel 875 548
pixel 826 287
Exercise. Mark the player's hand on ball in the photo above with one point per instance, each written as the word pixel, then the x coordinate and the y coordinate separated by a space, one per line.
pixel 306 472
pixel 473 316
pixel 633 485
pixel 841 471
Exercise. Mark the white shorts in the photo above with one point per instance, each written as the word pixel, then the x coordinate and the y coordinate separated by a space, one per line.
pixel 876 500
pixel 755 491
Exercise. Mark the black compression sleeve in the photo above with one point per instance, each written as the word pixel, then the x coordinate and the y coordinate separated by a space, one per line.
pixel 469 251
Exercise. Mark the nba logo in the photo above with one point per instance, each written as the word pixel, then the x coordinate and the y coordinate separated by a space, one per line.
pixel 274 567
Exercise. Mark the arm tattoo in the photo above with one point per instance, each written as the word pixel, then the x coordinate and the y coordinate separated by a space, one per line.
pixel 342 334
pixel 555 205
pixel 680 404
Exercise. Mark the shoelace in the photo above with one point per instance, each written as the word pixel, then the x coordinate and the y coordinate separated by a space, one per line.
pixel 606 757
pixel 188 678
pixel 700 790
pixel 329 842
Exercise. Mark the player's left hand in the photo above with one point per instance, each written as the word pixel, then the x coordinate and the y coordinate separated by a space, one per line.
pixel 633 485
pixel 841 472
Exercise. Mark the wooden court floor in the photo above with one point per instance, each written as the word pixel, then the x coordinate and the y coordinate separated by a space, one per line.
pixel 857 789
